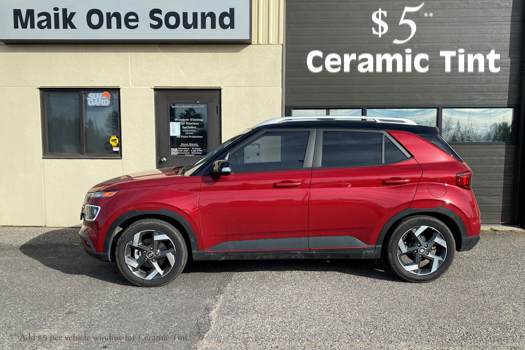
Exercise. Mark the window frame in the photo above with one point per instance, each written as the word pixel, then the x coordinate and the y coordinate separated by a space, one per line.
pixel 308 156
pixel 82 155
pixel 318 154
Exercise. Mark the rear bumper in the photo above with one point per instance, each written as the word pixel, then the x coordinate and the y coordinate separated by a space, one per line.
pixel 467 243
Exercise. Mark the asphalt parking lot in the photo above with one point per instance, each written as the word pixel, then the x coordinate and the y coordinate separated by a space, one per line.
pixel 55 296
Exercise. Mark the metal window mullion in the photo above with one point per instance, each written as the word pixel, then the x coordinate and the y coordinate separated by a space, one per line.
pixel 82 125
pixel 440 120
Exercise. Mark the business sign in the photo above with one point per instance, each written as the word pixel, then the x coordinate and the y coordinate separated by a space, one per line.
pixel 125 21
pixel 409 61
pixel 402 53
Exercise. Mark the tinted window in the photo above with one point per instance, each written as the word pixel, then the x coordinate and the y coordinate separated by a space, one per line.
pixel 81 123
pixel 392 153
pixel 63 122
pixel 427 116
pixel 477 124
pixel 101 122
pixel 271 151
pixel 351 149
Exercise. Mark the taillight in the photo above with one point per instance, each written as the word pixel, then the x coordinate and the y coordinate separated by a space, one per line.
pixel 464 179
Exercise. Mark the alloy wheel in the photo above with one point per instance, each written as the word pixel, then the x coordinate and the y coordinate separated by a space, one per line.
pixel 422 250
pixel 150 254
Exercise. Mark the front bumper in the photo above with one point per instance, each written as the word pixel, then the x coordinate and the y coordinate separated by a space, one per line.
pixel 88 246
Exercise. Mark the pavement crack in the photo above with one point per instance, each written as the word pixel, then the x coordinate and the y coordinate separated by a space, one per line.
pixel 211 316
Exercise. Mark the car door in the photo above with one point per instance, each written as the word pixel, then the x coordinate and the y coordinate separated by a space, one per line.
pixel 360 179
pixel 263 204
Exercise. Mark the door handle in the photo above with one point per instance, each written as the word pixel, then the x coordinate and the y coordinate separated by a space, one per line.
pixel 284 184
pixel 162 160
pixel 396 181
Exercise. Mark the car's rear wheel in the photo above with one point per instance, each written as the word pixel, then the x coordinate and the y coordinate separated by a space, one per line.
pixel 151 253
pixel 420 249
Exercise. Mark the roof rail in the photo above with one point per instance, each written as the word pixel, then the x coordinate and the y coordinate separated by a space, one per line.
pixel 366 118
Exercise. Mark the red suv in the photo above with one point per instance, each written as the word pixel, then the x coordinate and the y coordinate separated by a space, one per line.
pixel 321 188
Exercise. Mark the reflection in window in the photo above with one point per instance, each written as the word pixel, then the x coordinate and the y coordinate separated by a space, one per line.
pixel 272 151
pixel 477 124
pixel 349 112
pixel 351 149
pixel 323 112
pixel 308 112
pixel 81 123
pixel 427 117
pixel 63 122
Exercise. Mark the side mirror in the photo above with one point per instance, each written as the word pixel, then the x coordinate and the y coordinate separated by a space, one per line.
pixel 221 167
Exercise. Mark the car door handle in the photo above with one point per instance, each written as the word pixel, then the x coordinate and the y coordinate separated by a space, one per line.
pixel 396 181
pixel 283 184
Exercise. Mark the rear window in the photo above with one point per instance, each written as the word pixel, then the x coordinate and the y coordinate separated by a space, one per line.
pixel 392 153
pixel 358 149
pixel 351 149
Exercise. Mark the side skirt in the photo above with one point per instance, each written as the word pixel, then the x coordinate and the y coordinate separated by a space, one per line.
pixel 370 252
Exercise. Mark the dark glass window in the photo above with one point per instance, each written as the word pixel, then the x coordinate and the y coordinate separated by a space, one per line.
pixel 477 124
pixel 425 116
pixel 271 151
pixel 392 153
pixel 63 122
pixel 327 111
pixel 351 149
pixel 81 123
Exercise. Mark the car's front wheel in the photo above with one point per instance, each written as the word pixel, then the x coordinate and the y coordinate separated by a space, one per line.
pixel 420 249
pixel 151 253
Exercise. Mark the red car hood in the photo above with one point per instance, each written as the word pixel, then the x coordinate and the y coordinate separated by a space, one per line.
pixel 157 177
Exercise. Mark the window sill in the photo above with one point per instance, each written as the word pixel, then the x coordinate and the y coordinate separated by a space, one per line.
pixel 80 157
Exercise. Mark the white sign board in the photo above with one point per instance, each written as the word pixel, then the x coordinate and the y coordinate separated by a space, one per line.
pixel 125 21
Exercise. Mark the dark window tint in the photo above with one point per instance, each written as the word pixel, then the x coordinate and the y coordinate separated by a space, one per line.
pixel 63 122
pixel 81 123
pixel 271 151
pixel 392 153
pixel 351 149
pixel 101 122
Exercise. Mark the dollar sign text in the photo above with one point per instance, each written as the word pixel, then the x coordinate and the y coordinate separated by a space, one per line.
pixel 383 27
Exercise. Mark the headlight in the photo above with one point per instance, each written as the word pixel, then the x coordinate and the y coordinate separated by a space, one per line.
pixel 91 212
pixel 106 194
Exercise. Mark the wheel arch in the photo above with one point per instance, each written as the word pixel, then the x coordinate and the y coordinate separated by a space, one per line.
pixel 120 224
pixel 447 216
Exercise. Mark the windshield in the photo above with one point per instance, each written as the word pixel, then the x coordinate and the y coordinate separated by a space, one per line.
pixel 190 169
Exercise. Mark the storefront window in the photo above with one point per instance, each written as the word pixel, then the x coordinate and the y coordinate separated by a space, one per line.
pixel 348 112
pixel 81 123
pixel 308 112
pixel 477 124
pixel 325 112
pixel 101 122
pixel 63 122
pixel 427 117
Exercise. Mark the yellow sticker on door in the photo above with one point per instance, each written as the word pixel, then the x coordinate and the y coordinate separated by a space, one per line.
pixel 114 141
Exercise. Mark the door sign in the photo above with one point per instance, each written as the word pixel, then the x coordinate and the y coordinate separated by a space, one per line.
pixel 189 129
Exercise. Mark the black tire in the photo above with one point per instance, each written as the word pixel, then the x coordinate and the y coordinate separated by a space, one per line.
pixel 420 249
pixel 151 253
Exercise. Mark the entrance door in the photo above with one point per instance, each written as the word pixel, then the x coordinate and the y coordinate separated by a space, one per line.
pixel 188 125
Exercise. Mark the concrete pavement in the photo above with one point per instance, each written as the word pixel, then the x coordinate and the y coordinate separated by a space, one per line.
pixel 54 296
